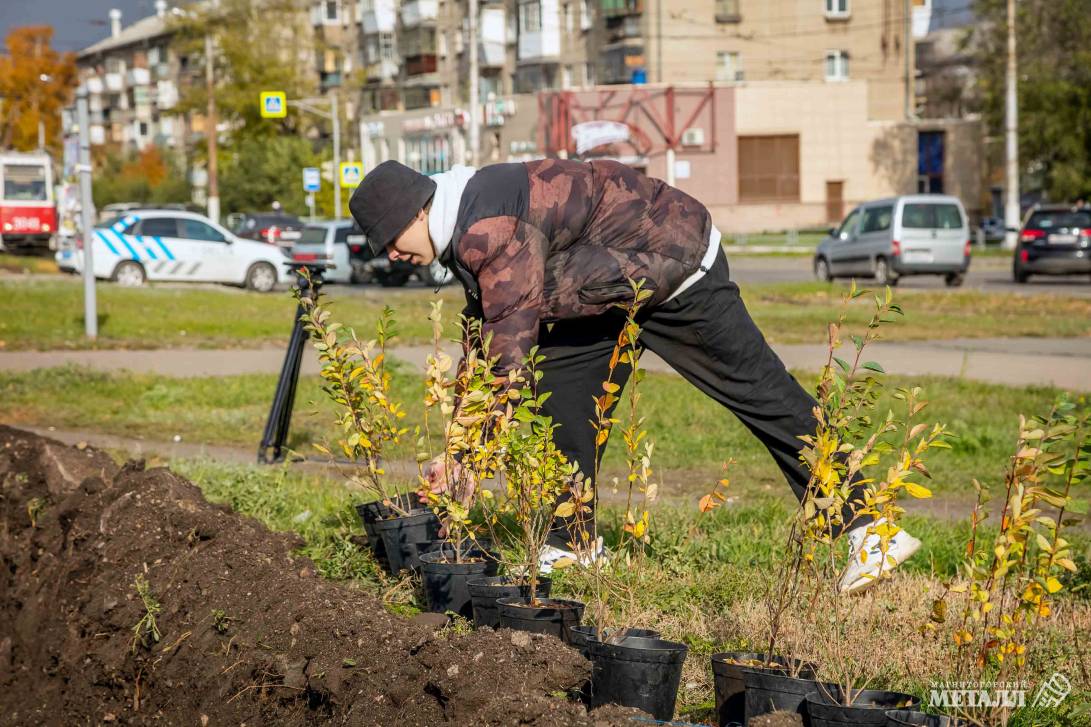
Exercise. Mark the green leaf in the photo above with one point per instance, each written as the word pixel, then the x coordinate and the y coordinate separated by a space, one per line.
pixel 873 366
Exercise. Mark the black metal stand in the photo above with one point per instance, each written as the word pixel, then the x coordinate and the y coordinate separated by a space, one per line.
pixel 271 449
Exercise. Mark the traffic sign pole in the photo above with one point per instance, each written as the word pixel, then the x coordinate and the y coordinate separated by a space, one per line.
pixel 336 165
pixel 87 222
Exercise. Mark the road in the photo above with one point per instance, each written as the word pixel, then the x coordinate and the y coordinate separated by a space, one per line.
pixel 989 274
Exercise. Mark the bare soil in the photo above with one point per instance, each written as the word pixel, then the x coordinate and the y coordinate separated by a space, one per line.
pixel 247 632
pixel 777 719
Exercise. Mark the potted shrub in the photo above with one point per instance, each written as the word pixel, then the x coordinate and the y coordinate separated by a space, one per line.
pixel 853 447
pixel 630 667
pixel 356 379
pixel 533 474
pixel 472 440
pixel 1008 587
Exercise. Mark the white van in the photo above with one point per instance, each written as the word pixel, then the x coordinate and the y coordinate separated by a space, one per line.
pixel 925 234
pixel 182 246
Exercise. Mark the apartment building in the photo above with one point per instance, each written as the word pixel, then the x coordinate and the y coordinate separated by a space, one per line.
pixel 132 78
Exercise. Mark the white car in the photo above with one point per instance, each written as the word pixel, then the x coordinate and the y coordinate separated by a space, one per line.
pixel 182 246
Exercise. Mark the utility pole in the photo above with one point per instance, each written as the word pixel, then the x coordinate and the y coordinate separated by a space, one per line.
pixel 87 221
pixel 908 43
pixel 1011 133
pixel 336 117
pixel 213 207
pixel 475 93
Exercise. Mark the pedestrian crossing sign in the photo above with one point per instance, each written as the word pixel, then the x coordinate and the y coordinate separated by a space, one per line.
pixel 273 105
pixel 351 173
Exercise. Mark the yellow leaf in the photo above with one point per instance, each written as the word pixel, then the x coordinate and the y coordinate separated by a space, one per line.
pixel 918 491
pixel 564 563
pixel 610 387
pixel 1053 585
pixel 565 509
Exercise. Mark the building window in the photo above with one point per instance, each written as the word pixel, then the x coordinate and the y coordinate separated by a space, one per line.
pixel 837 65
pixel 428 154
pixel 569 18
pixel 837 8
pixel 332 12
pixel 769 168
pixel 387 50
pixel 586 17
pixel 727 11
pixel 566 77
pixel 589 74
pixel 530 17
pixel 728 66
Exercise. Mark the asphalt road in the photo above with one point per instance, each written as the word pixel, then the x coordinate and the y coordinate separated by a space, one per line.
pixel 988 274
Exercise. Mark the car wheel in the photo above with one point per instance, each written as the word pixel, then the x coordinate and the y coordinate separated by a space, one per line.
pixel 436 275
pixel 1019 276
pixel 883 274
pixel 954 280
pixel 393 280
pixel 129 274
pixel 261 277
pixel 822 270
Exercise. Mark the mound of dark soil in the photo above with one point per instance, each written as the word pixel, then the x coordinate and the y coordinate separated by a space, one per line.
pixel 247 632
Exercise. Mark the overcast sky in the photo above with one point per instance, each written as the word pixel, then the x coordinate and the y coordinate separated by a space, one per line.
pixel 76 23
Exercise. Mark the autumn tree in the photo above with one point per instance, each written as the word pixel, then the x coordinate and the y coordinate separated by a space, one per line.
pixel 36 82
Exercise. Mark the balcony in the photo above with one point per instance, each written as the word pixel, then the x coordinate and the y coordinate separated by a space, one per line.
pixel 382 18
pixel 623 27
pixel 493 48
pixel 139 76
pixel 94 85
pixel 420 65
pixel 385 70
pixel 115 82
pixel 416 12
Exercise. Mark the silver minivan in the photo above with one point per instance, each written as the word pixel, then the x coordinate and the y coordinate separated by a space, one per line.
pixel 887 239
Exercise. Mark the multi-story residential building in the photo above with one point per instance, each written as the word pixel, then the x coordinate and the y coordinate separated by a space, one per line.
pixel 132 78
pixel 730 41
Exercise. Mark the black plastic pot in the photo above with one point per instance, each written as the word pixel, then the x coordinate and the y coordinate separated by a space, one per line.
pixel 445 580
pixel 902 717
pixel 485 591
pixel 869 707
pixel 772 690
pixel 582 636
pixel 727 674
pixel 369 512
pixel 552 616
pixel 638 672
pixel 405 538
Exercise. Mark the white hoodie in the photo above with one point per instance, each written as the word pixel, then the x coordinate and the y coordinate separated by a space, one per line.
pixel 443 214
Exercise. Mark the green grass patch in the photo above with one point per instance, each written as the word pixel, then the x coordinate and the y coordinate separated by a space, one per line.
pixel 44 315
pixel 27 264
pixel 693 435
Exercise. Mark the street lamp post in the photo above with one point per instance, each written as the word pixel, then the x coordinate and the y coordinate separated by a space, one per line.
pixel 87 222
pixel 308 104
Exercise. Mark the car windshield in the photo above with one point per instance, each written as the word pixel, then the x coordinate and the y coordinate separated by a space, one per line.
pixel 1045 220
pixel 313 236
pixel 931 215
pixel 24 182
pixel 113 220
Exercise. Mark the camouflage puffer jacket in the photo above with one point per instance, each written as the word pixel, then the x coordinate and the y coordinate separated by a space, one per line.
pixel 552 240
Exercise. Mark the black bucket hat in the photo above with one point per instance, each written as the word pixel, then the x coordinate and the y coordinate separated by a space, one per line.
pixel 387 200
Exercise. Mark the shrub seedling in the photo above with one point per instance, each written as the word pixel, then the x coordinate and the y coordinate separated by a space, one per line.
pixel 146 630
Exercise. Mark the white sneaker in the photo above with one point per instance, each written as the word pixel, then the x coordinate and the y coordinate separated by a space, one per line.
pixel 859 574
pixel 547 559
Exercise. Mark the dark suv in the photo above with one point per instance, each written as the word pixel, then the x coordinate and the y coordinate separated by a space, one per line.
pixel 1056 240
pixel 272 227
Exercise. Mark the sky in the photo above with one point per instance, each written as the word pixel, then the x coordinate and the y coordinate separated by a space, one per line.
pixel 76 23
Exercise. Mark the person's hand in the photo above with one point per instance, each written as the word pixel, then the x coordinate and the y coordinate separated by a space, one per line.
pixel 440 480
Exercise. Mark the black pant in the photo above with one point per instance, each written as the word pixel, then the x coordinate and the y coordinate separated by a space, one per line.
pixel 707 336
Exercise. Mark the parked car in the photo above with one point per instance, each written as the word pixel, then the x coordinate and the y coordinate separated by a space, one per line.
pixel 165 244
pixel 353 261
pixel 1055 240
pixel 994 229
pixel 891 238
pixel 275 228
